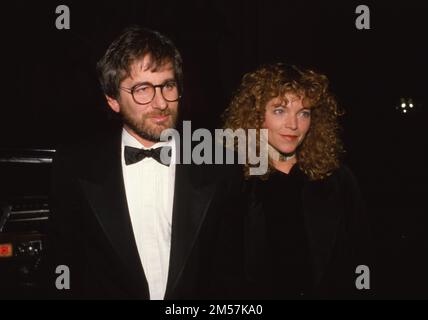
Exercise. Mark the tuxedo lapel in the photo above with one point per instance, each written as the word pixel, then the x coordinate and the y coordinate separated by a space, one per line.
pixel 106 195
pixel 191 202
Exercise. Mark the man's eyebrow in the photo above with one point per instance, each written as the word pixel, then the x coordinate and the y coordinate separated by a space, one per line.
pixel 149 83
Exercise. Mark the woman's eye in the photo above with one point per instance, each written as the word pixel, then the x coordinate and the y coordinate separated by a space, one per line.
pixel 278 110
pixel 305 114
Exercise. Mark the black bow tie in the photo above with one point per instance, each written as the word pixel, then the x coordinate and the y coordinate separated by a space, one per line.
pixel 133 155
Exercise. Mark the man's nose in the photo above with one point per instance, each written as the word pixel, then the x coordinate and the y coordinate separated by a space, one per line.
pixel 159 101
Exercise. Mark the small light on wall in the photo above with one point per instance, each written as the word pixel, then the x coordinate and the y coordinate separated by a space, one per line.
pixel 406 105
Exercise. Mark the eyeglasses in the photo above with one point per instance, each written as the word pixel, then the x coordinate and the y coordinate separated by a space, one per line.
pixel 145 93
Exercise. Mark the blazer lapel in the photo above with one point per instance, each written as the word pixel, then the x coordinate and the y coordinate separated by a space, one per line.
pixel 191 202
pixel 106 194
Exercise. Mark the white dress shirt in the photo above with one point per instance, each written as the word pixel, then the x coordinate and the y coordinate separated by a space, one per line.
pixel 149 187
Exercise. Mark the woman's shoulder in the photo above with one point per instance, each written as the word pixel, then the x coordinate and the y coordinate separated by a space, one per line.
pixel 344 175
pixel 341 180
pixel 344 183
pixel 342 172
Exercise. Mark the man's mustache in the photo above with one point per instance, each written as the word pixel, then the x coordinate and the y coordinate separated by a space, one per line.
pixel 157 114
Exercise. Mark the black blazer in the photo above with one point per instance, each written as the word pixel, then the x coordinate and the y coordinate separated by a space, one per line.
pixel 91 230
pixel 326 240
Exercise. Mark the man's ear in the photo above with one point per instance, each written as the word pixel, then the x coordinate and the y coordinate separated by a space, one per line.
pixel 113 103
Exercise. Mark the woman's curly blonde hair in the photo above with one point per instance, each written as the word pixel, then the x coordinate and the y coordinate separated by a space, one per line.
pixel 318 155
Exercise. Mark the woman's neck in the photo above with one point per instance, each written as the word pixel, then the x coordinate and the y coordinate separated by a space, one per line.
pixel 282 162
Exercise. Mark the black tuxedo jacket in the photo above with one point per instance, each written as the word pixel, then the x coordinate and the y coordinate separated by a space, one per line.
pixel 91 230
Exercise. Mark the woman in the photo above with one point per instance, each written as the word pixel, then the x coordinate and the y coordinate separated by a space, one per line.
pixel 305 236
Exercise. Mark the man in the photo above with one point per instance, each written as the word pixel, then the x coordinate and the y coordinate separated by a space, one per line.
pixel 126 223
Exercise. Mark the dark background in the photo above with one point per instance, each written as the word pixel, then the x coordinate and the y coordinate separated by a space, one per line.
pixel 50 94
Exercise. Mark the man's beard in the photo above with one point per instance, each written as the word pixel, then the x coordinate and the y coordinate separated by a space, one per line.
pixel 143 129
